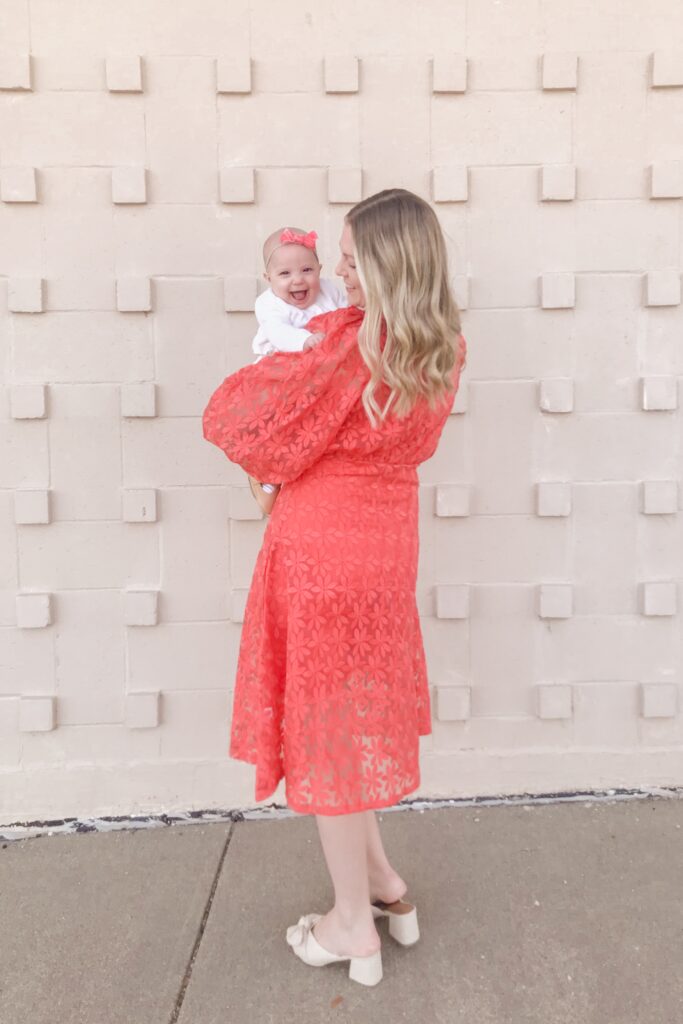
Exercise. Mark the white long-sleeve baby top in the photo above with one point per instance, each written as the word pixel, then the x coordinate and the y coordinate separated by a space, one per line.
pixel 282 327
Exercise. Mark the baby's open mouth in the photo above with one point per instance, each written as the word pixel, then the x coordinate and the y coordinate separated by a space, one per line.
pixel 299 296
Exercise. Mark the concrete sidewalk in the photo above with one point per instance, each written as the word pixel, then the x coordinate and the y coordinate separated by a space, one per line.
pixel 568 913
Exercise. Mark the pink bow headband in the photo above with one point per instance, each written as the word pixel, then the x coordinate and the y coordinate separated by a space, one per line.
pixel 289 237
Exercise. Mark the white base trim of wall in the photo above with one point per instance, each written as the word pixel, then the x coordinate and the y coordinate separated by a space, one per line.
pixel 82 791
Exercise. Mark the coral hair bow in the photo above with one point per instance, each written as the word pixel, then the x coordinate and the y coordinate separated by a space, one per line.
pixel 288 237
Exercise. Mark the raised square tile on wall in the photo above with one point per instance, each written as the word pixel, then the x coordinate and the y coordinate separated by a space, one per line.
pixel 554 700
pixel 453 703
pixel 31 506
pixel 659 497
pixel 233 75
pixel 341 74
pixel 28 401
pixel 124 73
pixel 240 294
pixel 663 287
pixel 139 506
pixel 666 179
pixel 659 598
pixel 141 607
pixel 667 68
pixel 557 290
pixel 37 714
pixel 242 505
pixel 452 500
pixel 133 294
pixel 33 611
pixel 15 71
pixel 556 395
pixel 449 73
pixel 553 498
pixel 18 185
pixel 25 295
pixel 237 185
pixel 129 185
pixel 560 70
pixel 658 700
pixel 659 394
pixel 138 399
pixel 238 603
pixel 142 710
pixel 555 600
pixel 344 184
pixel 558 182
pixel 452 601
pixel 450 184
pixel 462 399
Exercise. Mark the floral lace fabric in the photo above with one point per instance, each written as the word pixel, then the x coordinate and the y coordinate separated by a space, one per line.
pixel 331 689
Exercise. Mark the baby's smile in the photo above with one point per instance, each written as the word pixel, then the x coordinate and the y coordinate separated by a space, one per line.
pixel 299 296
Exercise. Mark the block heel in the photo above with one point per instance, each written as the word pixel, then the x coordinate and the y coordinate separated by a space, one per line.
pixel 403 926
pixel 366 970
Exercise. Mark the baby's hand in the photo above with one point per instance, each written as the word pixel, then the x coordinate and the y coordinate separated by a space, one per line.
pixel 312 340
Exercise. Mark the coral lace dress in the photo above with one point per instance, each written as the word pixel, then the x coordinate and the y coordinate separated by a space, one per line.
pixel 331 689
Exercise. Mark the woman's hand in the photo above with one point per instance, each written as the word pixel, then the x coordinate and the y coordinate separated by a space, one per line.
pixel 265 499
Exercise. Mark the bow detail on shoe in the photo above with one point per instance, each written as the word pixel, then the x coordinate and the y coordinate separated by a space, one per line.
pixel 298 933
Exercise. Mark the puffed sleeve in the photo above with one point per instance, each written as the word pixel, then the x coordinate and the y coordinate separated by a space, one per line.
pixel 276 417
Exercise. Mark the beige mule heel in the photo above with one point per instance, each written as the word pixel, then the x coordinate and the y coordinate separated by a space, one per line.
pixel 403 926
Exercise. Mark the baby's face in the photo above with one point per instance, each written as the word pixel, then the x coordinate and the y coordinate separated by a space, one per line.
pixel 294 275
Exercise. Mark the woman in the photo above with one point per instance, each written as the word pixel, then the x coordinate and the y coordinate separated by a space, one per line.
pixel 331 689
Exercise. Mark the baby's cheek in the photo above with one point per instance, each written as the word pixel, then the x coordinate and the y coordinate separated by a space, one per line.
pixel 315 283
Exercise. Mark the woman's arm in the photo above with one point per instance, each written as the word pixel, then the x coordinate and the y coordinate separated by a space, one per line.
pixel 277 416
pixel 265 499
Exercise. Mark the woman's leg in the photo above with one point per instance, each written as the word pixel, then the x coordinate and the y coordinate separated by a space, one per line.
pixel 385 883
pixel 349 928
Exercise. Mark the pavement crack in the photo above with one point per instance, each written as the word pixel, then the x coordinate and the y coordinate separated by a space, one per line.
pixel 200 934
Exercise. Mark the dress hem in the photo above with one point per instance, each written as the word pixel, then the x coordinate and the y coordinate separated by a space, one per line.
pixel 376 806
pixel 299 809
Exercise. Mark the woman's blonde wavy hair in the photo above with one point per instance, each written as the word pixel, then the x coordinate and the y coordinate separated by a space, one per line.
pixel 402 264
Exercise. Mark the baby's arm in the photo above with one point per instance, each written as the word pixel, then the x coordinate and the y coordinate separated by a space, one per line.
pixel 275 330
pixel 282 335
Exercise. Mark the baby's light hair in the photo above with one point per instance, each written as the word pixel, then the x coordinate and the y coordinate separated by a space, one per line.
pixel 273 242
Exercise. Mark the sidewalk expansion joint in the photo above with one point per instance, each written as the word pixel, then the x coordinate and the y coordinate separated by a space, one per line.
pixel 200 934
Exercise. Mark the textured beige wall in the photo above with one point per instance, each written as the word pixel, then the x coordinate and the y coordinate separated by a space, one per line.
pixel 145 149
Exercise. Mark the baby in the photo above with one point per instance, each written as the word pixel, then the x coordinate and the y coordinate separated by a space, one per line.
pixel 296 294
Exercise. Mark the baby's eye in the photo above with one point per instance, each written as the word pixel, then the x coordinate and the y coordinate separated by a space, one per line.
pixel 283 273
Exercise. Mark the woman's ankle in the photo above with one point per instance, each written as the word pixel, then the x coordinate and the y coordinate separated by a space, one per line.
pixel 386 885
pixel 350 933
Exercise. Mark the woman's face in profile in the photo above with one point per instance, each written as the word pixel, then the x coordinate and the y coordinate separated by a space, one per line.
pixel 346 269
